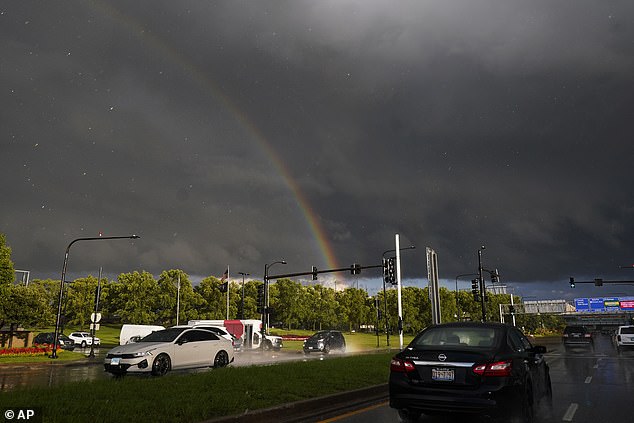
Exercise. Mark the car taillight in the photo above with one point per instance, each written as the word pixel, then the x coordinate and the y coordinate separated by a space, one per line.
pixel 500 368
pixel 587 335
pixel 403 366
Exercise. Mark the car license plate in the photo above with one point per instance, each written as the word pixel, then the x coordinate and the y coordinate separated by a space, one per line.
pixel 115 361
pixel 443 375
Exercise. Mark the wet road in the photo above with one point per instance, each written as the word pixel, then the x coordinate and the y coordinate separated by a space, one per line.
pixel 56 373
pixel 588 387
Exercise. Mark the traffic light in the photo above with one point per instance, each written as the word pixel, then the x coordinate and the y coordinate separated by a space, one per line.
pixel 389 270
pixel 355 269
pixel 475 290
pixel 495 276
pixel 512 309
pixel 261 298
pixel 598 282
pixel 314 273
pixel 572 282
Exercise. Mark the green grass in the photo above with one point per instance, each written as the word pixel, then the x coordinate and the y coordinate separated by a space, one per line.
pixel 62 355
pixel 201 396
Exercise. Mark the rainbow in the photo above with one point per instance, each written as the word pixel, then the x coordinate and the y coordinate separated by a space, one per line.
pixel 312 220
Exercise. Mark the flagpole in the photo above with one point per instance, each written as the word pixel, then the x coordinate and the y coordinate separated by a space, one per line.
pixel 227 292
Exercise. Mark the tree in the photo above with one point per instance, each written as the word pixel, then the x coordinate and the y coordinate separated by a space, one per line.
pixel 214 302
pixel 20 306
pixel 80 300
pixel 168 296
pixel 7 271
pixel 286 301
pixel 133 298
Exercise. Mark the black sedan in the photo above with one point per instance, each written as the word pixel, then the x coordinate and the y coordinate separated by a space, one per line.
pixel 471 368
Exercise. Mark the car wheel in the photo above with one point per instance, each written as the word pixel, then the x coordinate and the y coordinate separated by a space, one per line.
pixel 408 416
pixel 161 365
pixel 221 360
pixel 326 349
pixel 83 344
pixel 267 345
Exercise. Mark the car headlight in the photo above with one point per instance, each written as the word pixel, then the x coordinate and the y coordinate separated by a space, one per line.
pixel 142 353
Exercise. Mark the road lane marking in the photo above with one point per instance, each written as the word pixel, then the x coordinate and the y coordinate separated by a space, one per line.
pixel 570 413
pixel 352 413
pixel 588 379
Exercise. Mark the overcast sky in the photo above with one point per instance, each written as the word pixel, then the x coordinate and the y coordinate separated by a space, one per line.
pixel 240 133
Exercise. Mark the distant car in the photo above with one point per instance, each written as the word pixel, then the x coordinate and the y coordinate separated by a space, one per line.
pixel 170 349
pixel 624 338
pixel 325 341
pixel 47 338
pixel 83 339
pixel 470 368
pixel 577 336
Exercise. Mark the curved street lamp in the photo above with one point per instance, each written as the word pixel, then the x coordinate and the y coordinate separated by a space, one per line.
pixel 265 312
pixel 61 283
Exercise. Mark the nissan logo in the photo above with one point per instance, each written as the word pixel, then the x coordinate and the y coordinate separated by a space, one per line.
pixel 442 357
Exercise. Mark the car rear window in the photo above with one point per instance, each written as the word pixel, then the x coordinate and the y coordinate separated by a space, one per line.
pixel 457 336
pixel 575 329
pixel 628 330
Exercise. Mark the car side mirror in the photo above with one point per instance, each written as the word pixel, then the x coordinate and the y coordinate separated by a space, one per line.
pixel 182 341
pixel 539 349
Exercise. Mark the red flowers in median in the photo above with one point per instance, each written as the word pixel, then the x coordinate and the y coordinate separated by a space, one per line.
pixel 33 351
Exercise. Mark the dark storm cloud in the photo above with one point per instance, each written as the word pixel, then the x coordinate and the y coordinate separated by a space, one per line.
pixel 454 124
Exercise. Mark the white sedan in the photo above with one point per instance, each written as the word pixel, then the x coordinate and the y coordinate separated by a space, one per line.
pixel 170 349
pixel 83 339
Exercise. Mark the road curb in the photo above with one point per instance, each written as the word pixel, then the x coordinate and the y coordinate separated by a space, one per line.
pixel 312 410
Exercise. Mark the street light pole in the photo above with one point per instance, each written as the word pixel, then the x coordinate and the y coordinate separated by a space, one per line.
pixel 242 300
pixel 482 288
pixel 457 303
pixel 265 312
pixel 94 321
pixel 61 283
pixel 387 320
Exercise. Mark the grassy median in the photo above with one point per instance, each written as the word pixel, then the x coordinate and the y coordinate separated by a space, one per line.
pixel 201 396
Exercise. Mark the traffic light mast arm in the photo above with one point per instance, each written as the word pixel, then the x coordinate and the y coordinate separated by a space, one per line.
pixel 342 269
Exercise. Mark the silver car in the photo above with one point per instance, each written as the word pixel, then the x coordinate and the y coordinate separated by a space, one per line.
pixel 170 349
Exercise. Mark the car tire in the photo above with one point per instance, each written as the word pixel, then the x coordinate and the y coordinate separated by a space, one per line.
pixel 408 416
pixel 161 365
pixel 267 345
pixel 221 360
pixel 326 349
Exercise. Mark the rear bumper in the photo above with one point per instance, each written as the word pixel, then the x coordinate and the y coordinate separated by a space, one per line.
pixel 490 400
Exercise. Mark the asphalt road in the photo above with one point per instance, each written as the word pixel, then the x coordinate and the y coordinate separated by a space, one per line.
pixel 588 387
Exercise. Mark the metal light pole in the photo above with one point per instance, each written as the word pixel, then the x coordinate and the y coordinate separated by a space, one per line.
pixel 94 321
pixel 61 283
pixel 482 288
pixel 387 320
pixel 178 298
pixel 265 312
pixel 242 300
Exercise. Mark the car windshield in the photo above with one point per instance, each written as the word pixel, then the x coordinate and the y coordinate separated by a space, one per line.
pixel 484 337
pixel 165 335
pixel 319 335
pixel 628 330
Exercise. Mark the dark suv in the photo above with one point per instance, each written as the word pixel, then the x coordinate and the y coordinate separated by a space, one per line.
pixel 577 336
pixel 325 341
pixel 46 338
